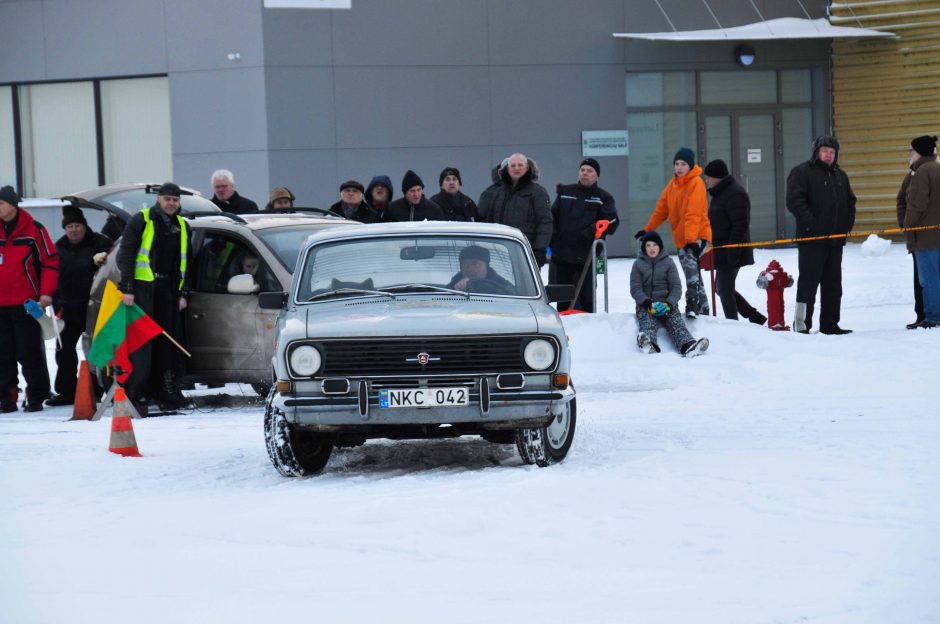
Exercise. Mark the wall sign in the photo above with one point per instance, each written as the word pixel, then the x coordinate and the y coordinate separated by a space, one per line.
pixel 753 155
pixel 605 143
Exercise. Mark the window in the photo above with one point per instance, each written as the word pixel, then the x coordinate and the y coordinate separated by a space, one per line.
pixel 7 138
pixel 739 87
pixel 135 126
pixel 654 139
pixel 660 88
pixel 223 257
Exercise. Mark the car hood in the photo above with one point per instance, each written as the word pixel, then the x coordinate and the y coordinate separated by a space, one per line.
pixel 421 316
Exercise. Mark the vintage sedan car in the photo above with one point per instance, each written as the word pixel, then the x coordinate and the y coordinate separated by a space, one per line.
pixel 232 259
pixel 397 331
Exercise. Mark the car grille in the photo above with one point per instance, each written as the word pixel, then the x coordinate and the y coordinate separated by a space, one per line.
pixel 446 356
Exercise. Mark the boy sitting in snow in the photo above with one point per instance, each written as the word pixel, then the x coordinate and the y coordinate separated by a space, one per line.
pixel 655 286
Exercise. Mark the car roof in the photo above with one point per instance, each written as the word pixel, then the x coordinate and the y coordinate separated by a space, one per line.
pixel 107 189
pixel 262 221
pixel 446 228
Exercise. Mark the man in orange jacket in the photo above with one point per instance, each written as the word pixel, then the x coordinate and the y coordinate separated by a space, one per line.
pixel 684 203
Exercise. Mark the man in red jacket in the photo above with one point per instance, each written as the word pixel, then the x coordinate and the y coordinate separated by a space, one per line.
pixel 29 269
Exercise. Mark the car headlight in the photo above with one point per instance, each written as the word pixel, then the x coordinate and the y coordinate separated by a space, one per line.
pixel 305 361
pixel 539 354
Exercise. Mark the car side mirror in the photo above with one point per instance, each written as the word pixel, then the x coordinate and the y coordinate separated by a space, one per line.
pixel 559 292
pixel 243 284
pixel 272 300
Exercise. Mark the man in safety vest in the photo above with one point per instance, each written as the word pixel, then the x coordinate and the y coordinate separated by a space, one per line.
pixel 153 262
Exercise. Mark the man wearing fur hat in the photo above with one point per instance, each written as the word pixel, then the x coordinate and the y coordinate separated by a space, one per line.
pixel 521 202
pixel 575 213
pixel 414 206
pixel 153 260
pixel 923 209
pixel 81 251
pixel 821 199
pixel 29 269
pixel 456 205
pixel 281 199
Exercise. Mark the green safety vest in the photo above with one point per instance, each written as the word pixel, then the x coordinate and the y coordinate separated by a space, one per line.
pixel 142 270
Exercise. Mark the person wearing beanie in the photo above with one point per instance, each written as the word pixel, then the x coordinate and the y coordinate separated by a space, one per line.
pixel 477 276
pixel 656 288
pixel 928 145
pixel 378 195
pixel 730 217
pixel 158 281
pixel 414 206
pixel 821 200
pixel 921 189
pixel 456 205
pixel 350 204
pixel 684 204
pixel 519 201
pixel 29 269
pixel 575 212
pixel 81 251
pixel 281 199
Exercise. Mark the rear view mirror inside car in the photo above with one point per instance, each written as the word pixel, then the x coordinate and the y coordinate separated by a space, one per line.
pixel 417 253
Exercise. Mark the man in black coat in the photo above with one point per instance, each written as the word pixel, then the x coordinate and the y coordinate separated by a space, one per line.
pixel 730 216
pixel 414 206
pixel 575 213
pixel 351 205
pixel 81 251
pixel 226 197
pixel 456 205
pixel 820 197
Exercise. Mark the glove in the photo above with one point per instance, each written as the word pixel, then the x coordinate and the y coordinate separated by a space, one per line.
pixel 660 309
pixel 640 234
pixel 540 256
pixel 587 234
pixel 694 248
pixel 100 257
pixel 647 304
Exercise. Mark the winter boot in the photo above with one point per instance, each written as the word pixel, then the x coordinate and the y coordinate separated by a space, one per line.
pixel 799 319
pixel 59 400
pixel 7 406
pixel 695 347
pixel 757 318
pixel 646 344
pixel 171 398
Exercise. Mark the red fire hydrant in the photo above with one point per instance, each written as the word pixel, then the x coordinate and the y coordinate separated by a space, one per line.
pixel 774 279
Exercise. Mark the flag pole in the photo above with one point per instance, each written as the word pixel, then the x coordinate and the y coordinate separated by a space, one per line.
pixel 178 345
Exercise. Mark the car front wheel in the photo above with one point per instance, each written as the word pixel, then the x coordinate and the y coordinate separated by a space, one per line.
pixel 294 453
pixel 549 444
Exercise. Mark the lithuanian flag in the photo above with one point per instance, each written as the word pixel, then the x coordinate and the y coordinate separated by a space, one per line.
pixel 119 331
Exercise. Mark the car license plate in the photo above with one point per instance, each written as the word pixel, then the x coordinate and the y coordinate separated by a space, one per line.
pixel 424 397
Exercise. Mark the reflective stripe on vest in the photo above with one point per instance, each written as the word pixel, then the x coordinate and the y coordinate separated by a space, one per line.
pixel 142 270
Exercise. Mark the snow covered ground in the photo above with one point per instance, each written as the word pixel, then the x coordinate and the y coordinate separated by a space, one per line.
pixel 780 478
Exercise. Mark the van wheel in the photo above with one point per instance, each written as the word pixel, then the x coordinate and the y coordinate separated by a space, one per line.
pixel 294 453
pixel 548 445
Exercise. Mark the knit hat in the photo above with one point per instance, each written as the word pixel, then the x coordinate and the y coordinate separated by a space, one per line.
pixel 71 214
pixel 410 180
pixel 169 189
pixel 593 164
pixel 717 169
pixel 475 252
pixel 281 192
pixel 9 195
pixel 449 171
pixel 686 155
pixel 925 145
pixel 351 184
pixel 652 236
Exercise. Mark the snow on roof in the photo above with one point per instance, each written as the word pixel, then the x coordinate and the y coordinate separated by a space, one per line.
pixel 780 28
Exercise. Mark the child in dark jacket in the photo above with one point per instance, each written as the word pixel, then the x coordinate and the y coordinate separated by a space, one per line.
pixel 655 286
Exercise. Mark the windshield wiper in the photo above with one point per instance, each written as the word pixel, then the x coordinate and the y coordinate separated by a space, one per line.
pixel 349 291
pixel 415 286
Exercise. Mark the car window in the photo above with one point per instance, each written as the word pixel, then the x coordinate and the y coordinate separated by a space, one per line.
pixel 285 243
pixel 387 263
pixel 222 257
pixel 135 200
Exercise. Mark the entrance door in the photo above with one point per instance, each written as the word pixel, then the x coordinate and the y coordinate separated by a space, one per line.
pixel 746 142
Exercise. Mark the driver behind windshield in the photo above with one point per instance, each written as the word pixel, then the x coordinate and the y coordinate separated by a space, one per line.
pixel 476 275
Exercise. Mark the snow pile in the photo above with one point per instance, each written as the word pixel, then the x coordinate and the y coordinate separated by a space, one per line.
pixel 874 246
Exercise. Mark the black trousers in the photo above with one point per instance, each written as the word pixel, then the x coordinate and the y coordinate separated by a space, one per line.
pixel 732 302
pixel 820 267
pixel 567 273
pixel 160 300
pixel 66 358
pixel 21 342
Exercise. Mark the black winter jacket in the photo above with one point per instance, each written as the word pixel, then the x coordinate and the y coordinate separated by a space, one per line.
pixel 456 207
pixel 575 212
pixel 362 212
pixel 164 254
pixel 236 204
pixel 401 210
pixel 821 199
pixel 730 216
pixel 77 267
pixel 525 206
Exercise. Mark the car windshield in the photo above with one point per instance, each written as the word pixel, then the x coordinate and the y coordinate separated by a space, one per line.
pixel 135 200
pixel 285 242
pixel 466 265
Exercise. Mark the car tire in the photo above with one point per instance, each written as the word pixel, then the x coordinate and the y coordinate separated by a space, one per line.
pixel 294 453
pixel 550 444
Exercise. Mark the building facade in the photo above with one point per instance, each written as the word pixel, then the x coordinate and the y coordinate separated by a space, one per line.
pixel 103 91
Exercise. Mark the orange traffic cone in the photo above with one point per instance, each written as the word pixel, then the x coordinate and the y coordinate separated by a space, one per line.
pixel 123 441
pixel 84 406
